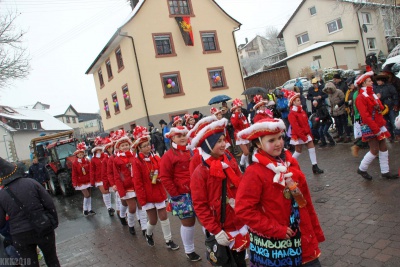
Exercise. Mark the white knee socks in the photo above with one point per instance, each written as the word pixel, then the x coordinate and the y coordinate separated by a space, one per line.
pixel 366 161
pixel 384 161
pixel 117 201
pixel 89 203
pixel 142 218
pixel 166 229
pixel 107 200
pixel 313 156
pixel 150 228
pixel 131 219
pixel 296 155
pixel 85 203
pixel 123 210
pixel 187 235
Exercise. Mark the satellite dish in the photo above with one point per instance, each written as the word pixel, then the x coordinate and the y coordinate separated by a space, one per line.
pixel 364 27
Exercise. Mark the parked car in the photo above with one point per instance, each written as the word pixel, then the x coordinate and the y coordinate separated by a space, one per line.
pixel 290 84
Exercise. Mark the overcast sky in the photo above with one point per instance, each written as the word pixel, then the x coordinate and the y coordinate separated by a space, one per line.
pixel 65 36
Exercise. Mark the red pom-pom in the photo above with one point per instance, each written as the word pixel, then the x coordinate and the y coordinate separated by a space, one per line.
pixel 368 68
pixel 195 116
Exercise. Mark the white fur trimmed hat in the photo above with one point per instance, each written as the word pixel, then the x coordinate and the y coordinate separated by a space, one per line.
pixel 121 137
pixel 261 128
pixel 200 125
pixel 98 144
pixel 215 127
pixel 141 135
pixel 176 130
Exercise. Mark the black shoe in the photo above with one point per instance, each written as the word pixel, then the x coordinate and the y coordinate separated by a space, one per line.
pixel 150 241
pixel 388 175
pixel 132 230
pixel 111 211
pixel 85 213
pixel 91 212
pixel 332 143
pixel 316 170
pixel 170 244
pixel 322 145
pixel 193 256
pixel 144 232
pixel 365 175
pixel 123 220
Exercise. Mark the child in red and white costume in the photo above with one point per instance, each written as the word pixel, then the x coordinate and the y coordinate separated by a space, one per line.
pixel 150 192
pixel 301 132
pixel 175 177
pixel 96 175
pixel 240 122
pixel 106 174
pixel 190 121
pixel 218 115
pixel 123 178
pixel 177 121
pixel 262 112
pixel 81 178
pixel 370 108
pixel 265 204
pixel 206 187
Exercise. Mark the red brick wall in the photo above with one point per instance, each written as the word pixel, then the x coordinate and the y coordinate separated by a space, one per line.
pixel 269 79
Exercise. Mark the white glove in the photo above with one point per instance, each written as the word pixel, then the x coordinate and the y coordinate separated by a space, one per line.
pixel 222 238
pixel 350 101
pixel 336 107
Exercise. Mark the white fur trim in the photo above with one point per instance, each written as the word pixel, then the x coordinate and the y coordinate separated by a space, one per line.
pixel 200 134
pixel 175 130
pixel 97 148
pixel 137 141
pixel 124 138
pixel 260 126
pixel 397 122
pixel 299 141
pixel 259 104
pixel 82 187
pixel 208 120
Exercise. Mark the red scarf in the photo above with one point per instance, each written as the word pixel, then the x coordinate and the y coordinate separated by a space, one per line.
pixel 219 171
pixel 150 160
pixel 372 98
pixel 271 163
pixel 178 147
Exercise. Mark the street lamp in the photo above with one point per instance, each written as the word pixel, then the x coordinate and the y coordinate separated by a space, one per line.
pixel 5 144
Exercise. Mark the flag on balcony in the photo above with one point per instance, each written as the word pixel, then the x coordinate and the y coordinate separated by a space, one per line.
pixel 186 29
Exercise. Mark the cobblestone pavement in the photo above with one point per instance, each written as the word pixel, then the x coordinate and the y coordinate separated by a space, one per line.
pixel 360 219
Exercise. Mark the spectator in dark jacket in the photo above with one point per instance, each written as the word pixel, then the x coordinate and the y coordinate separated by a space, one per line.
pixel 165 130
pixel 38 172
pixel 339 83
pixel 315 92
pixel 324 120
pixel 389 97
pixel 157 140
pixel 35 198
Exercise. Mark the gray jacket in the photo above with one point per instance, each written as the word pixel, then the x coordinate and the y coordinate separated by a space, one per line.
pixel 33 196
pixel 336 98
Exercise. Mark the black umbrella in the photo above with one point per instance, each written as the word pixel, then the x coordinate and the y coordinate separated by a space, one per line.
pixel 218 99
pixel 255 91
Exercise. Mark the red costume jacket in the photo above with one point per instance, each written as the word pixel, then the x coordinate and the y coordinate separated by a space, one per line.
pixel 147 192
pixel 104 174
pixel 260 116
pixel 299 121
pixel 261 205
pixel 78 178
pixel 110 170
pixel 239 122
pixel 174 172
pixel 206 196
pixel 365 103
pixel 123 173
pixel 95 169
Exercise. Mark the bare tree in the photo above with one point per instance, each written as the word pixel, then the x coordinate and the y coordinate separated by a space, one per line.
pixel 14 59
pixel 275 44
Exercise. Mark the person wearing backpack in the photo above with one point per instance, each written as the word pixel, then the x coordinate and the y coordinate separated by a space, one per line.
pixel 165 130
pixel 157 140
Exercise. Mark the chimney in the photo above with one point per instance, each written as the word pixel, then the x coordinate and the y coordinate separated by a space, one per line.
pixel 133 3
pixel 247 40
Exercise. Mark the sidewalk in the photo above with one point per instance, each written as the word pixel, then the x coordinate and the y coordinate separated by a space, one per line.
pixel 360 220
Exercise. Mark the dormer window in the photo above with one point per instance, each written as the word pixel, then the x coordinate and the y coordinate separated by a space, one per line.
pixel 179 8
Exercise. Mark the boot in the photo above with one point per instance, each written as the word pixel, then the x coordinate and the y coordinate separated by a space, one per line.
pixel 316 170
pixel 347 139
pixel 323 144
pixel 364 175
pixel 388 175
pixel 354 150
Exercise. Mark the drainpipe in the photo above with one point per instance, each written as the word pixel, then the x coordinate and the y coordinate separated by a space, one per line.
pixel 140 76
pixel 334 54
pixel 361 33
pixel 240 65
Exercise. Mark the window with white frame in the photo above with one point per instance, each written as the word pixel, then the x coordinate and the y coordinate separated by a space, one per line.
pixel 312 10
pixel 302 38
pixel 24 125
pixel 34 125
pixel 366 18
pixel 371 42
pixel 334 26
pixel 17 126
